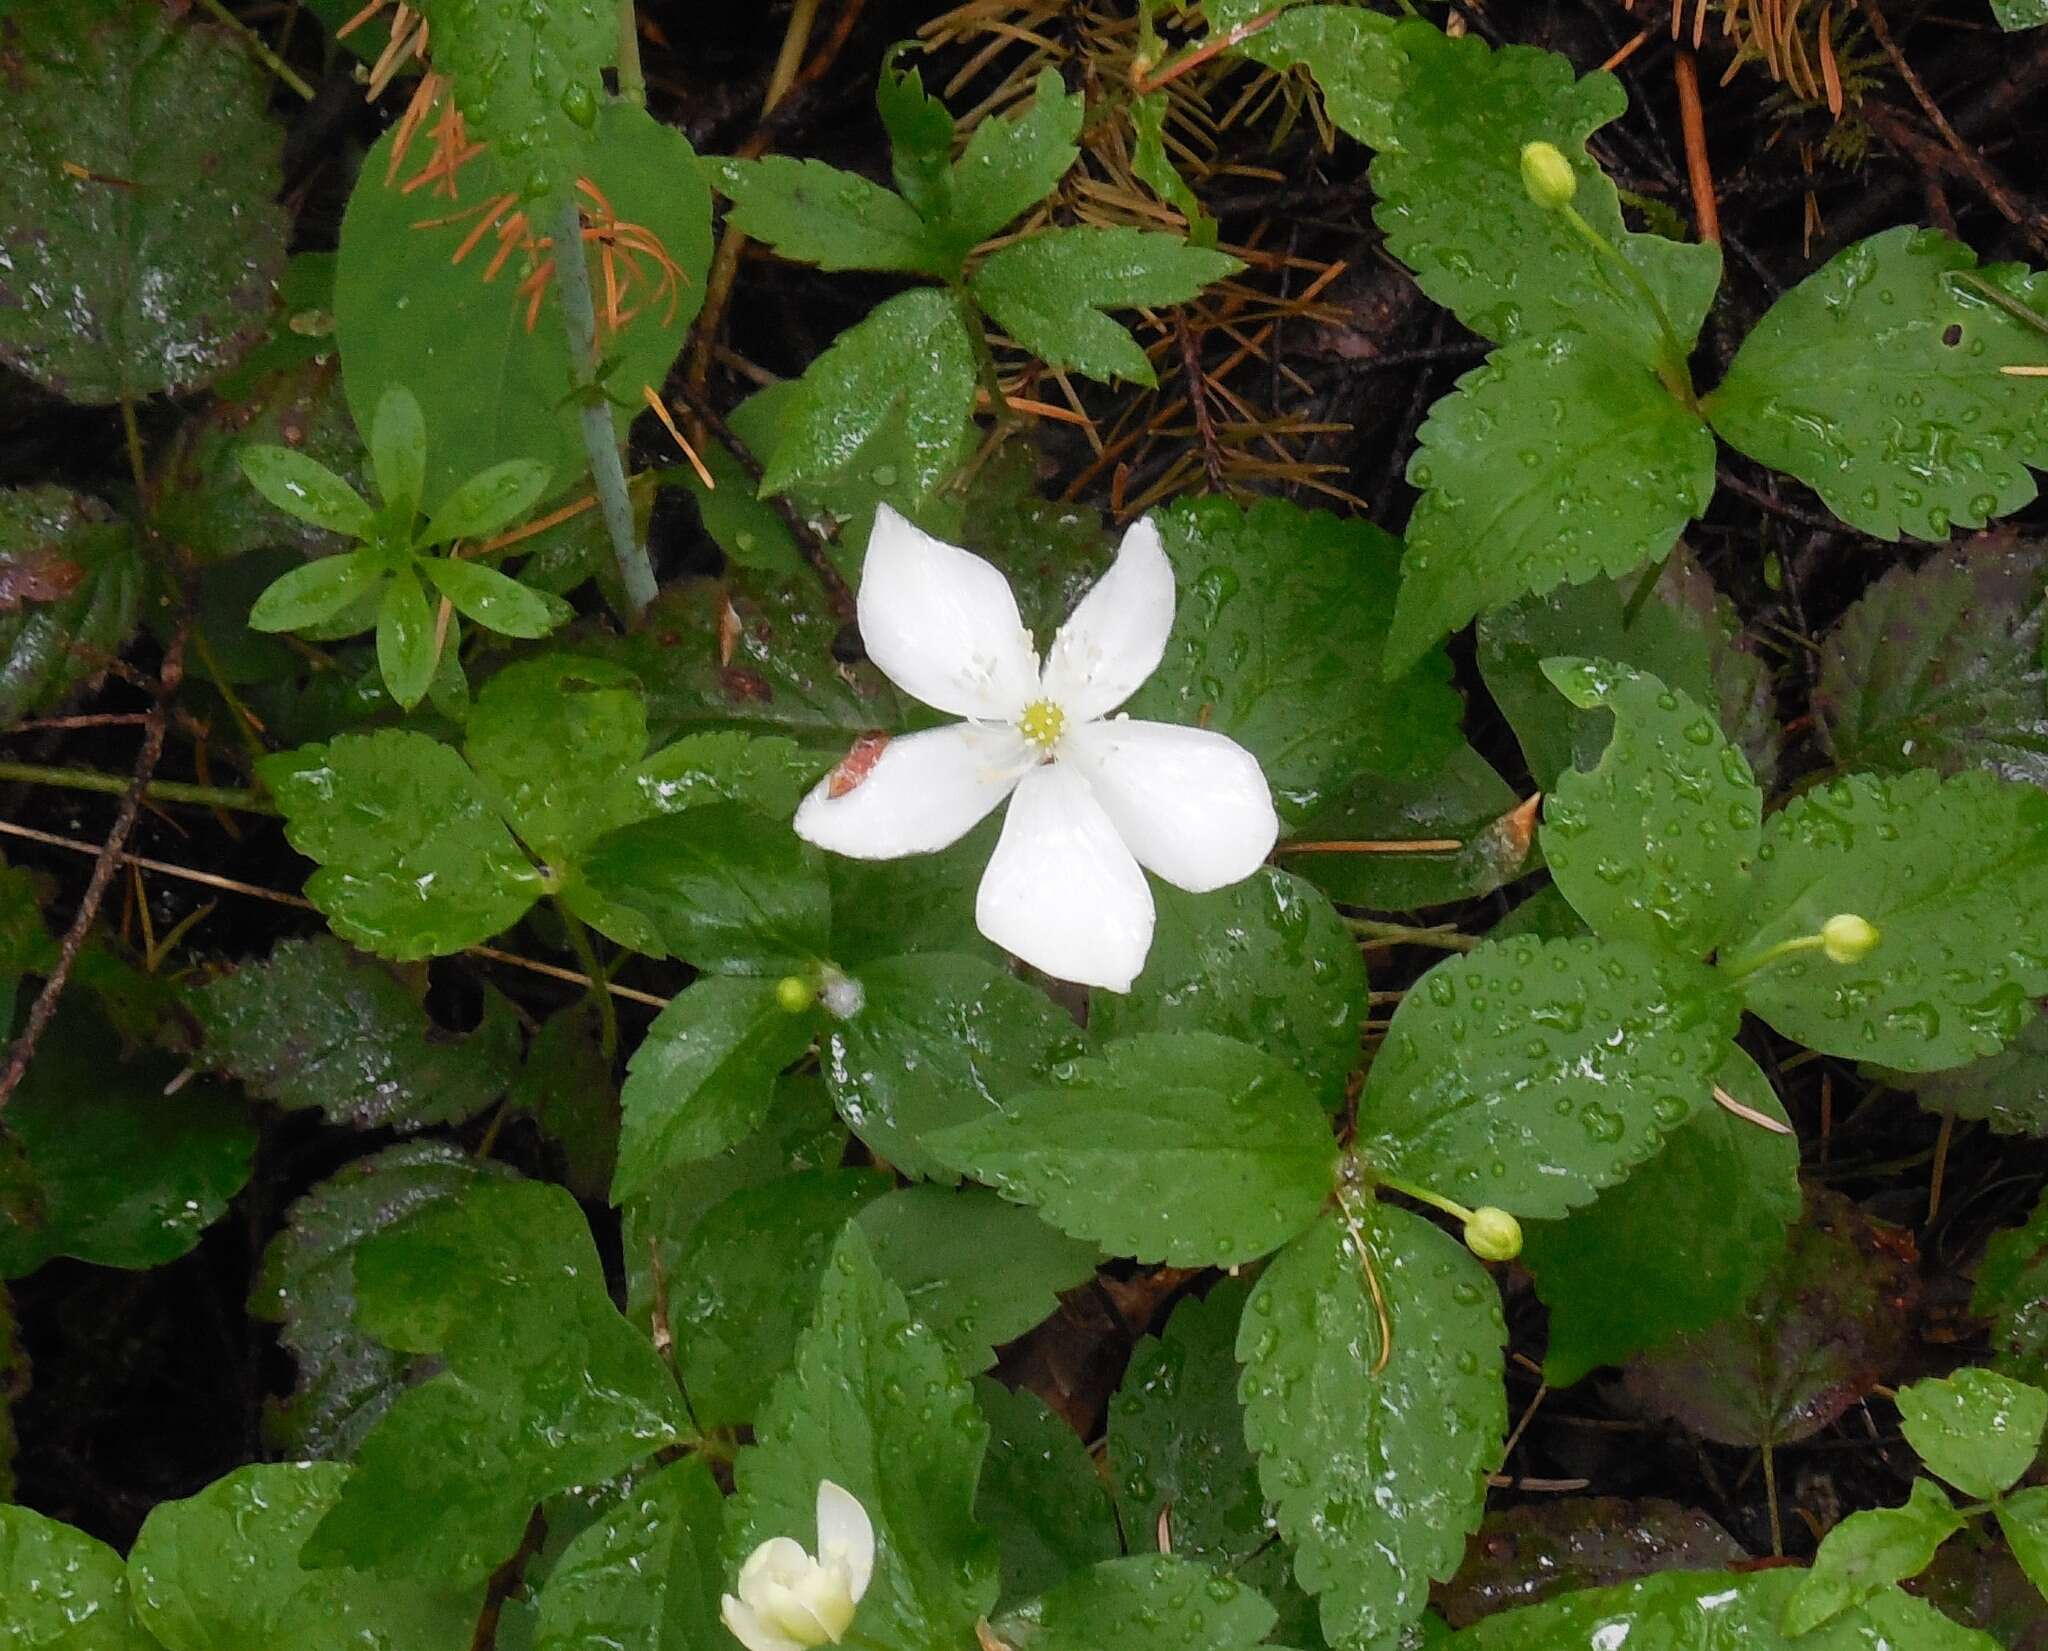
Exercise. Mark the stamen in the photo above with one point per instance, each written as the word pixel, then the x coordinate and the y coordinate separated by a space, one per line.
pixel 1042 723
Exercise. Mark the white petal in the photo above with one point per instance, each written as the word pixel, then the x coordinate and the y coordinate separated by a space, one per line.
pixel 941 623
pixel 1191 805
pixel 1116 637
pixel 748 1628
pixel 779 1559
pixel 923 792
pixel 787 1609
pixel 1061 890
pixel 845 1533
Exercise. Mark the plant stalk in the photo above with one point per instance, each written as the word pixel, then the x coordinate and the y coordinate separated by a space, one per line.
pixel 157 791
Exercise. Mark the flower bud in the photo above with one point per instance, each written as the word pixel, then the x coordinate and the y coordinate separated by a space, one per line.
pixel 1548 176
pixel 1493 1234
pixel 794 994
pixel 788 1598
pixel 1847 938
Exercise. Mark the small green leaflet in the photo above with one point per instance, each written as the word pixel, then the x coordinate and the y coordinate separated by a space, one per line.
pixel 920 137
pixel 1868 1552
pixel 1355 58
pixel 817 214
pixel 1977 1429
pixel 93 567
pixel 1040 1493
pixel 1145 1603
pixel 2012 1291
pixel 1012 164
pixel 2020 14
pixel 647 1576
pixel 61 1590
pixel 2023 1520
pixel 1876 382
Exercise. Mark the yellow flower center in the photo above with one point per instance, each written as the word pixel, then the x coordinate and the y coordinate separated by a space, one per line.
pixel 1042 723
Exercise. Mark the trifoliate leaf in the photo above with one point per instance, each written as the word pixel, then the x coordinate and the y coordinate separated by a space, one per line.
pixel 1530 1074
pixel 70 591
pixel 1953 873
pixel 1555 461
pixel 1354 56
pixel 1868 1552
pixel 61 1590
pixel 1040 1493
pixel 1876 382
pixel 1049 290
pixel 817 214
pixel 1154 1602
pixel 1977 1429
pixel 1376 1470
pixel 1014 162
pixel 874 1405
pixel 647 1576
pixel 1655 844
pixel 1183 1147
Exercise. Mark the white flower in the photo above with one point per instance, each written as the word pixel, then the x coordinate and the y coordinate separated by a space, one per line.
pixel 789 1601
pixel 1096 797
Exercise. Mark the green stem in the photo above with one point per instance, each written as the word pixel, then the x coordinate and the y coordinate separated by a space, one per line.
pixel 1641 594
pixel 158 791
pixel 1743 968
pixel 984 357
pixel 1435 1200
pixel 632 80
pixel 600 444
pixel 586 954
pixel 1443 938
pixel 1672 370
pixel 262 53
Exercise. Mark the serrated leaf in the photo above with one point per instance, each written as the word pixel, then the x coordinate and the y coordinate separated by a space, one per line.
pixel 219 1571
pixel 1354 56
pixel 2023 1521
pixel 904 375
pixel 2019 14
pixel 1281 622
pixel 138 176
pixel 1152 165
pixel 77 576
pixel 414 861
pixel 1530 1074
pixel 1954 874
pixel 1183 1147
pixel 920 137
pixel 1876 382
pixel 2012 1291
pixel 1940 667
pixel 1977 1429
pixel 938 1040
pixel 1868 1552
pixel 1655 844
pixel 1039 1492
pixel 1454 208
pixel 1145 1603
pixel 1376 1472
pixel 554 741
pixel 314 1026
pixel 61 1590
pixel 566 1088
pixel 1678 1245
pixel 647 1576
pixel 2008 1090
pixel 840 1414
pixel 1013 162
pixel 817 214
pixel 1049 290
pixel 1554 461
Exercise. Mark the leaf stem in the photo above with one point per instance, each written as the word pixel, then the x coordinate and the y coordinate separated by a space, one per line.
pixel 1443 937
pixel 1435 1200
pixel 1743 968
pixel 601 998
pixel 157 791
pixel 258 50
pixel 632 78
pixel 1672 370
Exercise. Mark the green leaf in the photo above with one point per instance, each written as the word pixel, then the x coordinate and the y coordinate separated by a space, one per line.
pixel 1375 1472
pixel 315 593
pixel 532 87
pixel 1977 1429
pixel 414 862
pixel 307 489
pixel 746 1281
pixel 1677 1246
pixel 1039 1492
pixel 1709 1610
pixel 904 375
pixel 920 138
pixel 767 774
pixel 1868 1552
pixel 1145 1603
pixel 122 1173
pixel 2020 14
pixel 939 1040
pixel 1655 844
pixel 841 1414
pixel 408 648
pixel 1013 162
pixel 1954 873
pixel 554 741
pixel 1179 1147
pixel 1266 961
pixel 138 185
pixel 1876 382
pixel 1530 1074
pixel 2012 1291
pixel 487 501
pixel 79 575
pixel 978 1271
pixel 747 528
pixel 817 214
pixel 313 1025
pixel 645 1577
pixel 703 1076
pixel 566 1088
pixel 1940 667
pixel 1152 165
pixel 398 452
pixel 1352 53
pixel 721 887
pixel 2008 1090
pixel 493 600
pixel 1554 461
pixel 1454 209
pixel 1049 290
pixel 2023 1520
pixel 219 1571
pixel 1277 643
pixel 61 1590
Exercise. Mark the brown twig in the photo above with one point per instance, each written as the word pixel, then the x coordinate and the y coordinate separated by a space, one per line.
pixel 1198 401
pixel 1706 211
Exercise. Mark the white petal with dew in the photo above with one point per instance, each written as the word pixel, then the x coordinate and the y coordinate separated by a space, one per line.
pixel 924 792
pixel 1116 636
pixel 748 1628
pixel 1061 890
pixel 942 625
pixel 1192 805
pixel 846 1534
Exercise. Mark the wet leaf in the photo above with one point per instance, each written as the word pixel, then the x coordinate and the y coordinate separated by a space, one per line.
pixel 1375 1475
pixel 1266 961
pixel 219 1571
pixel 1940 667
pixel 494 600
pixel 75 579
pixel 840 1414
pixel 2023 1520
pixel 1529 1075
pixel 566 1088
pixel 138 170
pixel 61 1590
pixel 747 528
pixel 1282 616
pixel 2012 1291
pixel 920 138
pixel 1553 462
pixel 531 88
pixel 316 592
pixel 1876 382
pixel 883 909
pixel 1040 1493
pixel 306 490
pixel 2008 1090
pixel 645 1577
pixel 817 214
pixel 1868 1552
pixel 1013 162
pixel 554 741
pixel 1353 55
pixel 1977 1429
pixel 1146 1603
pixel 314 1026
pixel 1181 1147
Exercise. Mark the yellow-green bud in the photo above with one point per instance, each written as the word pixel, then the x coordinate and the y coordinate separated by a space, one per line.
pixel 1548 176
pixel 1493 1234
pixel 1847 938
pixel 794 994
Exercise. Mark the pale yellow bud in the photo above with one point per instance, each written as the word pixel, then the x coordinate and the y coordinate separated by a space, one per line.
pixel 1847 938
pixel 1493 1234
pixel 1548 176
